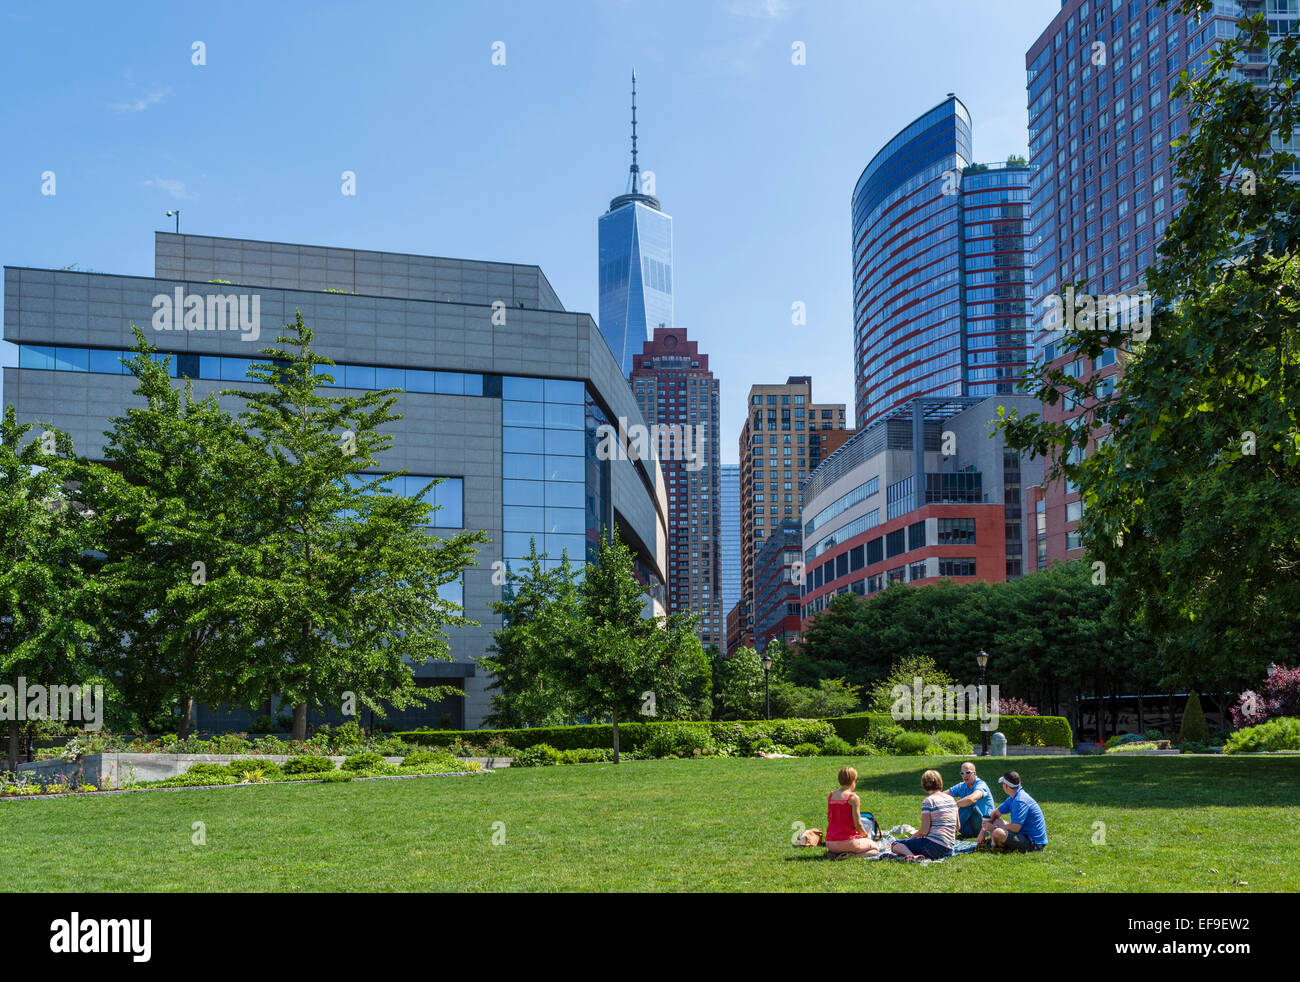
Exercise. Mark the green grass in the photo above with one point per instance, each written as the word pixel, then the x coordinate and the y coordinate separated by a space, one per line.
pixel 1171 823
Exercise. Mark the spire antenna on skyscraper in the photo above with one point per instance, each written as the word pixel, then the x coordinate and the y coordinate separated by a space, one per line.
pixel 635 178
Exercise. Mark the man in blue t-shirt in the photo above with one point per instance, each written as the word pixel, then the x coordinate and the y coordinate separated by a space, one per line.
pixel 974 802
pixel 1023 829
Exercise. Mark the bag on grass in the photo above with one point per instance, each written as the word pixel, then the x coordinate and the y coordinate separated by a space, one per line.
pixel 811 837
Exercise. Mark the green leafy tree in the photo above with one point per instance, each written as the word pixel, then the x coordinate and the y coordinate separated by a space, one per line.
pixel 344 576
pixel 176 528
pixel 829 698
pixel 43 568
pixel 614 661
pixel 906 673
pixel 738 686
pixel 1191 478
pixel 525 693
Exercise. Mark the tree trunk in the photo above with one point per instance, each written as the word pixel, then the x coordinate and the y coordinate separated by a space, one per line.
pixel 299 731
pixel 187 707
pixel 13 746
pixel 614 717
pixel 1142 725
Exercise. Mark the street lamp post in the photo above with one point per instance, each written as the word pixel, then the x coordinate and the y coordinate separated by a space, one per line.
pixel 982 659
pixel 767 701
pixel 177 213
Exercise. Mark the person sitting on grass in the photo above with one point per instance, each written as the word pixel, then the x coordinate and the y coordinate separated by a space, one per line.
pixel 1026 831
pixel 844 831
pixel 974 802
pixel 938 832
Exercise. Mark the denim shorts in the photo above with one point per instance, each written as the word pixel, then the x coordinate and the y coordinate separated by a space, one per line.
pixel 927 848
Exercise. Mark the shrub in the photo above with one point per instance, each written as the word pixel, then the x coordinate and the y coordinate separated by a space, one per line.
pixel 498 747
pixel 1194 727
pixel 582 756
pixel 344 738
pixel 797 731
pixel 263 724
pixel 332 776
pixel 805 750
pixel 1192 747
pixel 1011 706
pixel 421 758
pixel 392 747
pixel 1281 697
pixel 188 780
pixel 1282 733
pixel 252 770
pixel 1120 738
pixel 365 761
pixel 680 740
pixel 541 755
pixel 836 746
pixel 1129 746
pixel 911 743
pixel 204 767
pixel 308 764
pixel 950 742
pixel 1153 735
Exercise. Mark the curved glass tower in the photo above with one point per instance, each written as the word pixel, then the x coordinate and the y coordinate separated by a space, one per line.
pixel 907 316
pixel 940 268
pixel 635 266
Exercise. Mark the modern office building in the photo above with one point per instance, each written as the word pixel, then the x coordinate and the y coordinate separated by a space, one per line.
pixel 781 443
pixel 777 578
pixel 1102 116
pixel 730 536
pixel 939 269
pixel 675 390
pixel 502 391
pixel 636 265
pixel 920 495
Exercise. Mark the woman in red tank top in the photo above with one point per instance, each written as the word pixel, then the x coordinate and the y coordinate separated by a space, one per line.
pixel 844 831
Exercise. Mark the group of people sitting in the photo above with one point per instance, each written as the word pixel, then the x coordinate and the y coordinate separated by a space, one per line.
pixel 963 811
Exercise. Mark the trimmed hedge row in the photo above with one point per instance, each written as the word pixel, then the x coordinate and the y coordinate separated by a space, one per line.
pixel 1028 731
pixel 1033 731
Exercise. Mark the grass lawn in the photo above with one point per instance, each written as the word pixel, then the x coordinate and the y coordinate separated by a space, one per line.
pixel 1171 823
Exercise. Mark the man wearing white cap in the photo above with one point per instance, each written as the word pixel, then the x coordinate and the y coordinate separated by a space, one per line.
pixel 1023 829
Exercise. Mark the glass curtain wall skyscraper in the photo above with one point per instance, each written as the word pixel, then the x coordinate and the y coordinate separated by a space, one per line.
pixel 939 268
pixel 1102 120
pixel 635 265
pixel 730 536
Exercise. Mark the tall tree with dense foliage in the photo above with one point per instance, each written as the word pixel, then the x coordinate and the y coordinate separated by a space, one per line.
pixel 525 692
pixel 43 569
pixel 1192 493
pixel 175 530
pixel 346 578
pixel 1052 637
pixel 613 660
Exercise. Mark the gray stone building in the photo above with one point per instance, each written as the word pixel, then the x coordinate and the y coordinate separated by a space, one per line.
pixel 502 389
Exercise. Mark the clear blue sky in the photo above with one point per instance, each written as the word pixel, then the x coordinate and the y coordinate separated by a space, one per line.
pixel 755 158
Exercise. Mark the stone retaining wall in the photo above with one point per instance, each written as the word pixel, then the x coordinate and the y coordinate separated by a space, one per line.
pixel 111 770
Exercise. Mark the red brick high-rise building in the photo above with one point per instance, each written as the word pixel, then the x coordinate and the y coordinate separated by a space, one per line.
pixel 675 388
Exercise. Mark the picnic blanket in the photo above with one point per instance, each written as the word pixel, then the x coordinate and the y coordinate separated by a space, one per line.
pixel 885 853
